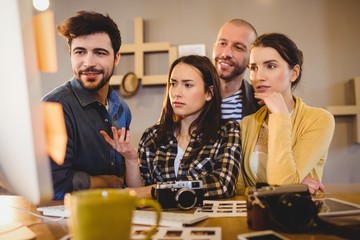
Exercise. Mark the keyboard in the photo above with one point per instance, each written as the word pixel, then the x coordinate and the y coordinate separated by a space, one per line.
pixel 141 217
pixel 54 211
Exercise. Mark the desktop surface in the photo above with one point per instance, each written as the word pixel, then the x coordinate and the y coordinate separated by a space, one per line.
pixel 231 226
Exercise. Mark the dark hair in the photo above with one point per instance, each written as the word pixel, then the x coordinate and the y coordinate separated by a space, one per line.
pixel 85 23
pixel 285 47
pixel 208 121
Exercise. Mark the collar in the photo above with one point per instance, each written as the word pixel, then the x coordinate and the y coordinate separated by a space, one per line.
pixel 85 97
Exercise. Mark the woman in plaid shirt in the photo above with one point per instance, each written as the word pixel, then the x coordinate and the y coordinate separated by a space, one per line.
pixel 190 141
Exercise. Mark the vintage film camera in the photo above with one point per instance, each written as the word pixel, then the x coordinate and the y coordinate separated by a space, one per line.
pixel 181 194
pixel 286 207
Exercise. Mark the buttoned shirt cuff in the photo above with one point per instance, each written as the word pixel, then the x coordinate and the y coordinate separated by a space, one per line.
pixel 81 181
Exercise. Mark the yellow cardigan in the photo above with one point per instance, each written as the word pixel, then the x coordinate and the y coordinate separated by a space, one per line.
pixel 297 145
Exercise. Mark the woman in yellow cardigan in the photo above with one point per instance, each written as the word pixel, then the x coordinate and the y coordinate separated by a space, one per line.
pixel 286 141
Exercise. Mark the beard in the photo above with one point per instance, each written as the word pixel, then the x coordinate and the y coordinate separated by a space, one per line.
pixel 239 69
pixel 104 80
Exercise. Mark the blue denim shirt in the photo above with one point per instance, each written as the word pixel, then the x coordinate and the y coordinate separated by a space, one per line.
pixel 87 153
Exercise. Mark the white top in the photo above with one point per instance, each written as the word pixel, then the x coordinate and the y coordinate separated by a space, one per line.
pixel 179 156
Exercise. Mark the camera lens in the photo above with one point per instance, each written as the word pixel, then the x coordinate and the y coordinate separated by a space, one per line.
pixel 295 211
pixel 186 198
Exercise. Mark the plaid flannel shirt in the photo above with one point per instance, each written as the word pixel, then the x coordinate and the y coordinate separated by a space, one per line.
pixel 217 164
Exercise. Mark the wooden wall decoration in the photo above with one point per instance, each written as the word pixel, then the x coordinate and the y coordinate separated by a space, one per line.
pixel 139 48
pixel 350 110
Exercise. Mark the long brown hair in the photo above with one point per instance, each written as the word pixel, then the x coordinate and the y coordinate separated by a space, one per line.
pixel 208 122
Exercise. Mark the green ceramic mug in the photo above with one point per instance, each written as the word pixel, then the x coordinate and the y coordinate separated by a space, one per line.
pixel 105 214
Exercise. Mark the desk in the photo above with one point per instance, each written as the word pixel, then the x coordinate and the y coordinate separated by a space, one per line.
pixel 231 227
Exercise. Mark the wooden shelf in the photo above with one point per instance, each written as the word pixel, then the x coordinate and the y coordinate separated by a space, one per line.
pixel 139 48
pixel 350 110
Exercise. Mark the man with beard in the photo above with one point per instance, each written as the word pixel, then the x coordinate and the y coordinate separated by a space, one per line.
pixel 90 105
pixel 231 53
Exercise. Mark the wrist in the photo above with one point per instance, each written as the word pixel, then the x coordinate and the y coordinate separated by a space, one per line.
pixel 131 162
pixel 132 159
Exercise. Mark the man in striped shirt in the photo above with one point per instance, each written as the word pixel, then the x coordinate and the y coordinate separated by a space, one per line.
pixel 231 54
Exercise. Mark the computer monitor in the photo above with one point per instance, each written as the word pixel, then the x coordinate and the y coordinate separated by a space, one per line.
pixel 24 162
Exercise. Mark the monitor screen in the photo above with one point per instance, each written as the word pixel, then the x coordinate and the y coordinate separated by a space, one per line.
pixel 24 162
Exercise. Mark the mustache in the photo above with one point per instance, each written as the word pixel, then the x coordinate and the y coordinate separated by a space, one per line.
pixel 225 59
pixel 91 70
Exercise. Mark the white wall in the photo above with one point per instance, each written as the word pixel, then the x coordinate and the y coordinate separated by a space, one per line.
pixel 327 31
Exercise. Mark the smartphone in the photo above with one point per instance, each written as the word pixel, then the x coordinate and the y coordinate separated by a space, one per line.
pixel 261 235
